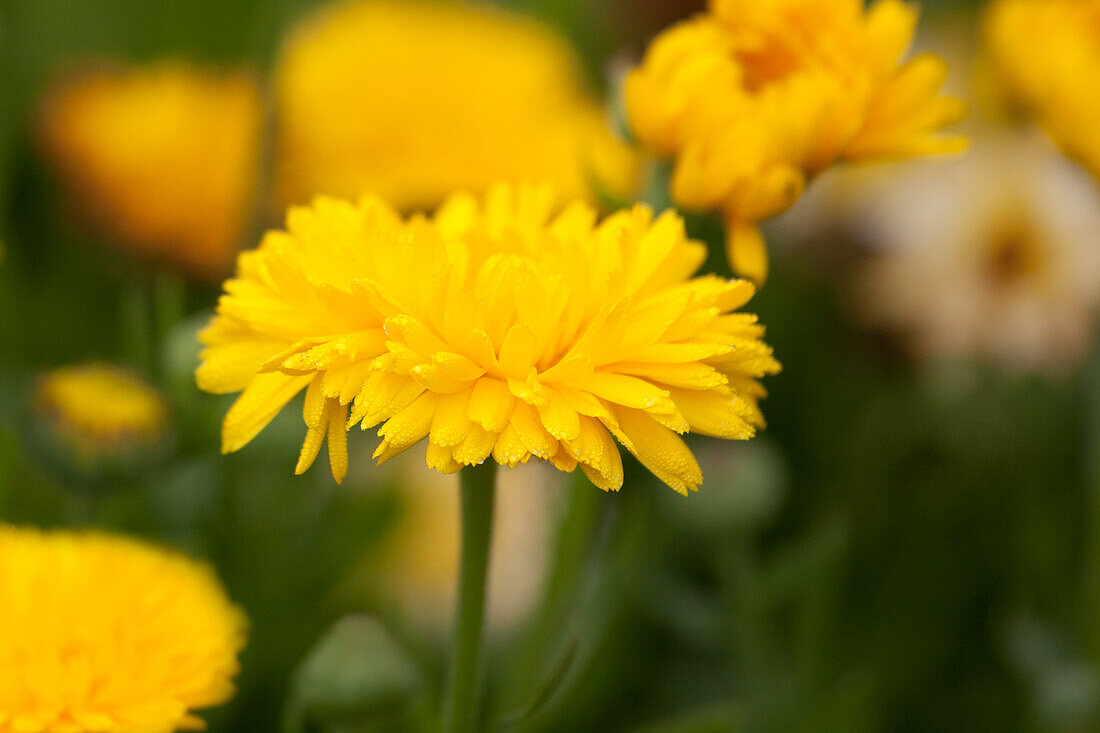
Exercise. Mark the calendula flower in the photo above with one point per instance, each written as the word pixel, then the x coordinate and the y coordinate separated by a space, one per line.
pixel 1008 240
pixel 756 97
pixel 108 634
pixel 100 410
pixel 505 327
pixel 1047 55
pixel 413 99
pixel 161 157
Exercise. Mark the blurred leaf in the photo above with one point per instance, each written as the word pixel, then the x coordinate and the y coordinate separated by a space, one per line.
pixel 1065 688
pixel 720 718
pixel 357 671
pixel 745 487
pixel 544 692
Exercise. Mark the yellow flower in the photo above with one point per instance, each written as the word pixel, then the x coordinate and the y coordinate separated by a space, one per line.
pixel 756 97
pixel 412 99
pixel 505 327
pixel 108 634
pixel 1047 55
pixel 162 157
pixel 100 409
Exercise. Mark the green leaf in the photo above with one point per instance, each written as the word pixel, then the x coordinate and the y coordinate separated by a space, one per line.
pixel 356 672
pixel 545 691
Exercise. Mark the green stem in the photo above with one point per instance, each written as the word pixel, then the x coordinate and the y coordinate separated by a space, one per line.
pixel 478 491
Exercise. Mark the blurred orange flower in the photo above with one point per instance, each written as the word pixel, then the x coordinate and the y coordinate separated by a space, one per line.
pixel 163 158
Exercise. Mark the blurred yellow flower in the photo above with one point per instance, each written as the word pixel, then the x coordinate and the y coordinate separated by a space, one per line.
pixel 413 99
pixel 503 327
pixel 1047 55
pixel 100 409
pixel 995 255
pixel 108 634
pixel 756 97
pixel 162 157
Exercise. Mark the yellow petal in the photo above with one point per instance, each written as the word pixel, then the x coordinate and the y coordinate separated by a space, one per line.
pixel 559 419
pixel 692 375
pixel 598 455
pixel 457 366
pixel 440 459
pixel 316 412
pixel 517 352
pixel 311 446
pixel 265 395
pixel 476 447
pixel 338 441
pixel 407 427
pixel 490 404
pixel 659 449
pixel 627 391
pixel 229 366
pixel 383 396
pixel 747 251
pixel 313 408
pixel 529 428
pixel 450 424
pixel 717 415
pixel 509 449
pixel 890 28
pixel 563 461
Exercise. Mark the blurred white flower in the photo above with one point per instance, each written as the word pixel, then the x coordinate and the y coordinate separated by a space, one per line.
pixel 993 255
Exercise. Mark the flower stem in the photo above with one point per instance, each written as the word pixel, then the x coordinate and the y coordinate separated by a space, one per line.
pixel 478 491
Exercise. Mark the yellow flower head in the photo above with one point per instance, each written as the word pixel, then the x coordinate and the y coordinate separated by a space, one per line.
pixel 162 157
pixel 503 327
pixel 412 99
pixel 99 409
pixel 1047 54
pixel 108 634
pixel 755 97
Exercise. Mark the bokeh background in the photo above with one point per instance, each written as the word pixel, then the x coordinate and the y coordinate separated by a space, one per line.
pixel 912 545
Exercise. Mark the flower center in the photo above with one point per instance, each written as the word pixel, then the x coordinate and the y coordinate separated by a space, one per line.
pixel 1013 253
pixel 766 66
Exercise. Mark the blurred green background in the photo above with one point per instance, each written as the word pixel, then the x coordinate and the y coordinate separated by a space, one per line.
pixel 907 548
